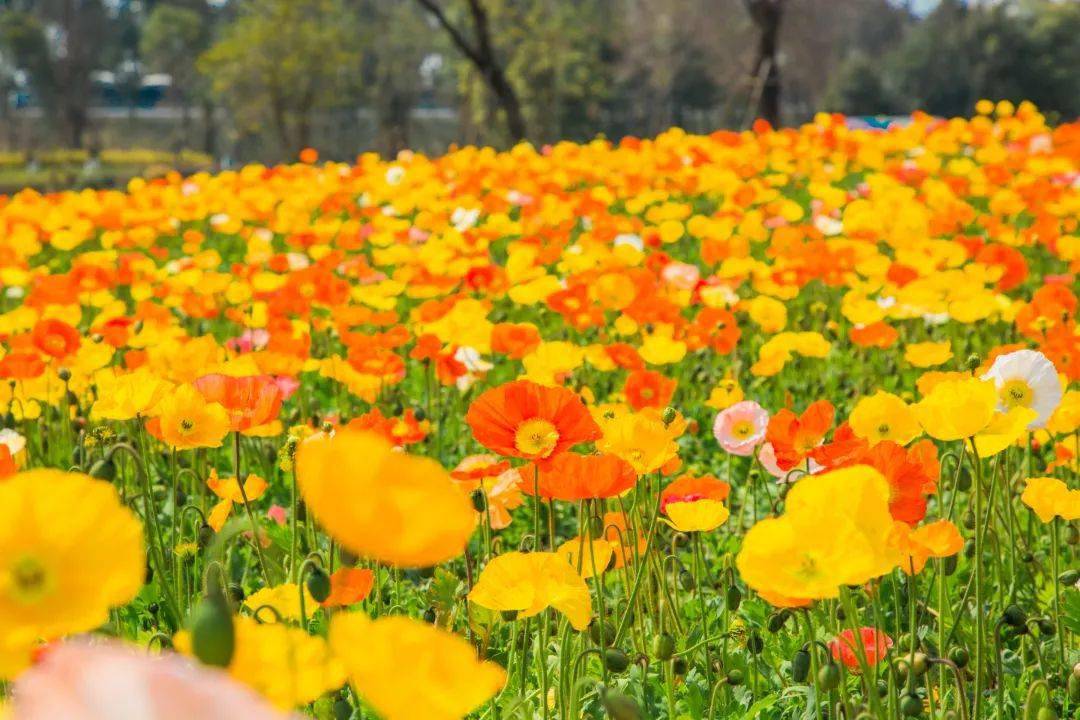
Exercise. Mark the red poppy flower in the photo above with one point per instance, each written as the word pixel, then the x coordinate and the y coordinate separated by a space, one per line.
pixel 875 644
pixel 250 401
pixel 572 477
pixel 794 437
pixel 648 388
pixel 526 420
pixel 55 338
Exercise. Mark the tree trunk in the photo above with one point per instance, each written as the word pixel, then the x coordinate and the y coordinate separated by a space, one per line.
pixel 483 56
pixel 767 15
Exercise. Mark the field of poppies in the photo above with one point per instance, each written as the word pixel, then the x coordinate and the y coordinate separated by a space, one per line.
pixel 768 424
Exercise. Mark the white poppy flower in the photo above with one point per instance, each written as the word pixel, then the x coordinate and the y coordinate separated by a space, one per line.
pixel 1026 378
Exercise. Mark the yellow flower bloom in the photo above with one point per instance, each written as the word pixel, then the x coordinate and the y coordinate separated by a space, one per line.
pixel 836 530
pixel 283 599
pixel 69 551
pixel 186 420
pixel 382 504
pixel 601 553
pixel 928 354
pixel 408 670
pixel 1050 497
pixel 884 416
pixel 282 663
pixel 128 395
pixel 1004 430
pixel 640 439
pixel 769 313
pixel 531 582
pixel 957 409
pixel 726 393
pixel 696 516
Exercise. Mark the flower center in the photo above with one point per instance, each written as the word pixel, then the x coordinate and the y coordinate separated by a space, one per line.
pixel 883 429
pixel 1016 393
pixel 186 425
pixel 742 429
pixel 536 438
pixel 28 580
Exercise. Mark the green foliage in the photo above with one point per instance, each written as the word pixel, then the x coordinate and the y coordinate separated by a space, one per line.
pixel 961 53
pixel 279 61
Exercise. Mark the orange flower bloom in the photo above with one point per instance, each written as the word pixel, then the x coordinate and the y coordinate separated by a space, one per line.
pixel 21 366
pixel 648 388
pixel 250 401
pixel 406 430
pixel 8 466
pixel 794 437
pixel 879 335
pixel 526 420
pixel 570 476
pixel 349 586
pixel 55 338
pixel 515 340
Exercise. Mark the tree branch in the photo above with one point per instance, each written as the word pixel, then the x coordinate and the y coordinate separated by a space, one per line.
pixel 459 40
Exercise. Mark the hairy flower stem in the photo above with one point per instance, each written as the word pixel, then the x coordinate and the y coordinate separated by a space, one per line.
pixel 247 507
pixel 980 620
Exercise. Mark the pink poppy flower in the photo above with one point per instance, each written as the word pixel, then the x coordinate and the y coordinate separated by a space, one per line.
pixel 741 428
pixel 83 680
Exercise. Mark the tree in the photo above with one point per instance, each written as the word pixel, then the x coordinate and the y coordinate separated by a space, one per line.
pixel 767 15
pixel 480 51
pixel 172 38
pixel 280 61
pixel 60 61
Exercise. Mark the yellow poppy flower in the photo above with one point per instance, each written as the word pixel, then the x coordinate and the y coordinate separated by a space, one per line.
pixel 186 420
pixel 128 395
pixel 531 582
pixel 640 439
pixel 1050 497
pixel 957 409
pixel 69 551
pixel 581 558
pixel 283 599
pixel 928 354
pixel 884 416
pixel 1004 430
pixel 407 670
pixel 697 515
pixel 836 530
pixel 382 504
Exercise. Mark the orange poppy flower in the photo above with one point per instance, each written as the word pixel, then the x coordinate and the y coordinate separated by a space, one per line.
pixel 349 586
pixel 648 388
pixel 570 476
pixel 250 401
pixel 8 465
pixel 515 340
pixel 625 355
pixel 845 449
pixel 21 366
pixel 794 437
pixel 909 475
pixel 880 335
pixel 526 420
pixel 55 338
